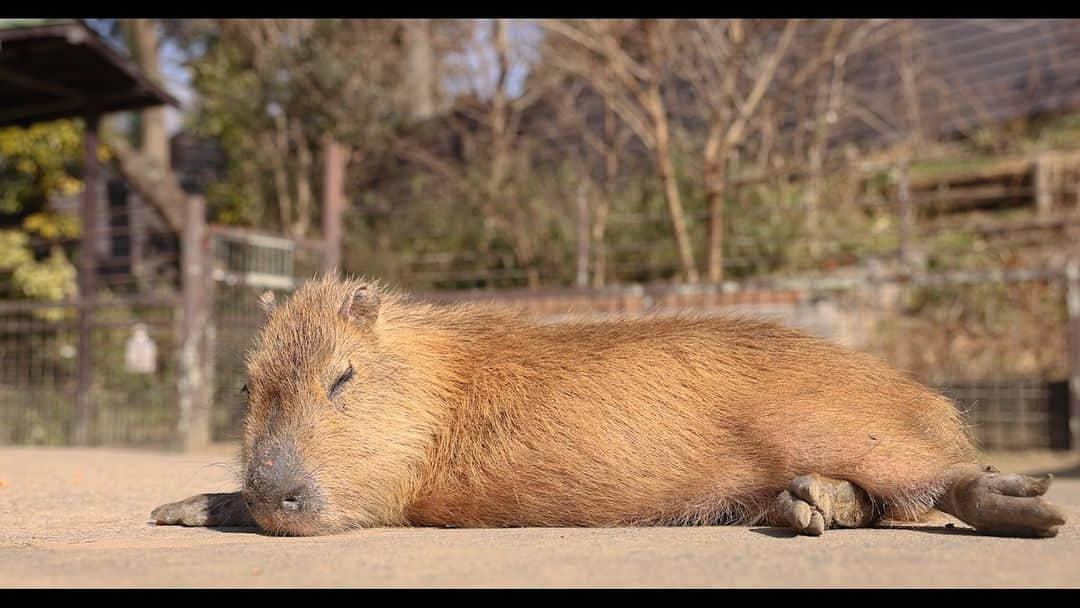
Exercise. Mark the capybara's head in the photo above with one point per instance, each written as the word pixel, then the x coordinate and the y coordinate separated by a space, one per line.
pixel 334 430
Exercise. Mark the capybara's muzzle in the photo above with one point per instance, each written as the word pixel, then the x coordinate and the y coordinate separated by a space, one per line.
pixel 276 483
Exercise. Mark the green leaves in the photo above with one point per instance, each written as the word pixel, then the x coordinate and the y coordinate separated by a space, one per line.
pixel 269 90
pixel 38 162
pixel 52 279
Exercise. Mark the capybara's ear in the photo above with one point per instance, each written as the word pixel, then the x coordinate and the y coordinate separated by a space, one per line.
pixel 361 307
pixel 266 301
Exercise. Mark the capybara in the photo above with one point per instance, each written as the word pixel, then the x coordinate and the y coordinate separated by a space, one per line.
pixel 369 408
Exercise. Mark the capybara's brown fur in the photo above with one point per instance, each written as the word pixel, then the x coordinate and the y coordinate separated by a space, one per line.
pixel 470 415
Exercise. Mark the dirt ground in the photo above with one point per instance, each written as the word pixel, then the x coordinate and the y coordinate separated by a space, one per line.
pixel 80 517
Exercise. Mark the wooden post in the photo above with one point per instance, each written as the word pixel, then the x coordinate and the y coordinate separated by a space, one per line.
pixel 1043 196
pixel 133 204
pixel 333 203
pixel 904 198
pixel 87 277
pixel 582 279
pixel 208 345
pixel 193 382
pixel 1072 276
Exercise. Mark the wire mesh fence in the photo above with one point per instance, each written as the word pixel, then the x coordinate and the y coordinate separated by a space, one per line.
pixel 1014 414
pixel 129 403
pixel 132 395
pixel 237 319
pixel 246 265
pixel 996 343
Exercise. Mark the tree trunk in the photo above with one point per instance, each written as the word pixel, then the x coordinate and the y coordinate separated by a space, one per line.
pixel 333 202
pixel 671 188
pixel 498 186
pixel 611 169
pixel 499 109
pixel 155 141
pixel 583 236
pixel 421 72
pixel 525 253
pixel 910 86
pixel 599 246
pixel 716 190
pixel 276 150
pixel 715 158
pixel 304 194
pixel 813 200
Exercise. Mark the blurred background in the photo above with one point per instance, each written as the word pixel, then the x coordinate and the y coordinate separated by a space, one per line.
pixel 909 188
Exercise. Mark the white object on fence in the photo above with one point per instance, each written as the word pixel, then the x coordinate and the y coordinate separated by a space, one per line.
pixel 140 352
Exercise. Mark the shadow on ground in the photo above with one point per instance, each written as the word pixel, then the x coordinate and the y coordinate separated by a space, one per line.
pixel 947 530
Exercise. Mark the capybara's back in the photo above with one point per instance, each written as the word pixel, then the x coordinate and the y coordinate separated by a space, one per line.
pixel 368 408
pixel 670 420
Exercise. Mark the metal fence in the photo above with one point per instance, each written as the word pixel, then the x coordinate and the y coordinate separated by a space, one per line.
pixel 126 403
pixel 999 344
pixel 133 392
pixel 246 265
pixel 1015 414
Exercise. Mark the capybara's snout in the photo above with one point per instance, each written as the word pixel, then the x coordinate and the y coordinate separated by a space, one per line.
pixel 278 486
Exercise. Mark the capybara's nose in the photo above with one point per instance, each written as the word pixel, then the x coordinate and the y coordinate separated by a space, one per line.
pixel 296 499
pixel 276 480
pixel 291 501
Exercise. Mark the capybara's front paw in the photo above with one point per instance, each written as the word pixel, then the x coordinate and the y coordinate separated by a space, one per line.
pixel 211 510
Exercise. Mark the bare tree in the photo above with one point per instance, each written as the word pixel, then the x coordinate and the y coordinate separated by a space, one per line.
pixel 583 116
pixel 290 83
pixel 421 68
pixel 147 167
pixel 608 146
pixel 821 98
pixel 776 85
pixel 829 105
pixel 731 71
pixel 143 38
pixel 487 119
pixel 627 62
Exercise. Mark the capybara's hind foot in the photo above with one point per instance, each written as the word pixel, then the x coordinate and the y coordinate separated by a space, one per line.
pixel 205 510
pixel 813 503
pixel 999 504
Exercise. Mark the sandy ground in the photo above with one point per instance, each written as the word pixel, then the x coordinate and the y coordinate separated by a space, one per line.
pixel 80 517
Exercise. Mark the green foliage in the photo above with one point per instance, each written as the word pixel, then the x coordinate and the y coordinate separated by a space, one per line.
pixel 36 164
pixel 52 279
pixel 13 250
pixel 24 277
pixel 764 228
pixel 977 331
pixel 269 91
pixel 48 422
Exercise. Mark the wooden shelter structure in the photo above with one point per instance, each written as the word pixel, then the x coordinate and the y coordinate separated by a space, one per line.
pixel 54 69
